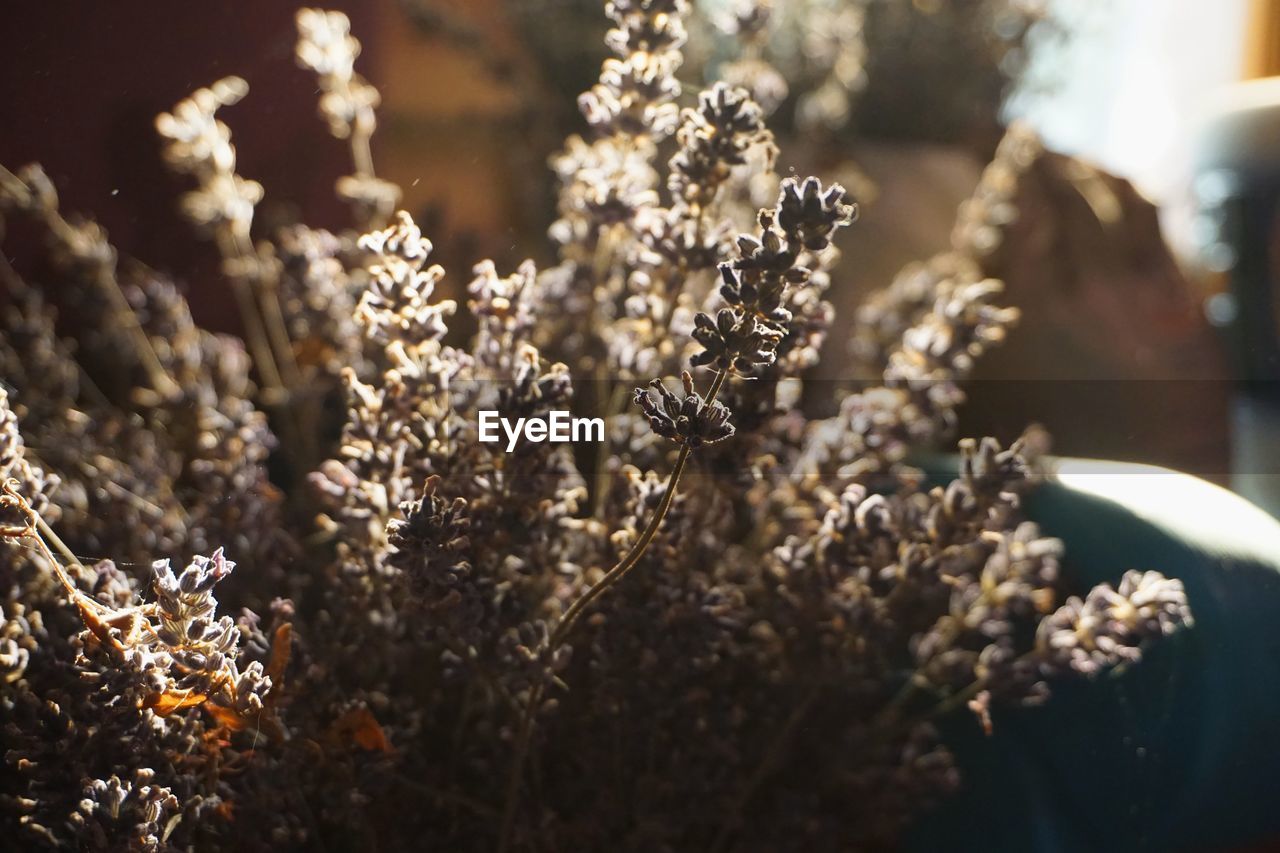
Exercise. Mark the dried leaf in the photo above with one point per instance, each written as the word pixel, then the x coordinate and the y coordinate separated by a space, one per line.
pixel 281 649
pixel 166 703
pixel 359 726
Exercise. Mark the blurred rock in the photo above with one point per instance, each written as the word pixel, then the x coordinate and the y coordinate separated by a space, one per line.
pixel 1113 354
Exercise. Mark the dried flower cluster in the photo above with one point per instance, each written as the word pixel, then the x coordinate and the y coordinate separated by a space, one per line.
pixel 727 626
pixel 348 104
pixel 199 144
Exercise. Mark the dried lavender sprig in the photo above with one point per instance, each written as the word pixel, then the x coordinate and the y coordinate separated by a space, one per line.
pixel 691 421
pixel 746 335
pixel 574 613
pixel 199 144
pixel 1111 626
pixel 636 90
pixel 348 103
pixel 31 192
pixel 713 139
pixel 193 656
pixel 397 305
pixel 1108 628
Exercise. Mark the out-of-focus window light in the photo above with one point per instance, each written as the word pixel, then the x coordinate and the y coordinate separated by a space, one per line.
pixel 1132 86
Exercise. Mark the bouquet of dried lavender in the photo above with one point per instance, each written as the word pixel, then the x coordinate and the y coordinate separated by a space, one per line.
pixel 722 626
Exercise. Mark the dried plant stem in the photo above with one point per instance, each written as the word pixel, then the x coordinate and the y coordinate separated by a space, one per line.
pixel 17 287
pixel 371 216
pixel 627 563
pixel 282 349
pixel 109 284
pixel 268 302
pixel 278 332
pixel 268 339
pixel 42 531
pixel 113 628
pixel 159 378
pixel 361 153
pixel 254 326
pixel 574 614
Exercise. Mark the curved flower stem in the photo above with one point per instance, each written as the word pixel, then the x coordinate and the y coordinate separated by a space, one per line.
pixel 574 614
pixel 626 564
pixel 562 629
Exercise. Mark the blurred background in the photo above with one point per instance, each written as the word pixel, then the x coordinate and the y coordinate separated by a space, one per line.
pixel 1144 256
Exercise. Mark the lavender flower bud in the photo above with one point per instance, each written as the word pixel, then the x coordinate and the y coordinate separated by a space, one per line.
pixel 688 420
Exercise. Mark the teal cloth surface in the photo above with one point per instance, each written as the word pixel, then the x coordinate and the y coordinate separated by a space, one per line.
pixel 1181 752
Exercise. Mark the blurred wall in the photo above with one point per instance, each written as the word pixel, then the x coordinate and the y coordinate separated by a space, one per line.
pixel 79 93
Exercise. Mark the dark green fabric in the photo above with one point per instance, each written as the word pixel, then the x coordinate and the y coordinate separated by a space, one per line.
pixel 1180 752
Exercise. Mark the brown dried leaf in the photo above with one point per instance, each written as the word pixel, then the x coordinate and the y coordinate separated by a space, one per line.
pixel 359 726
pixel 281 649
pixel 166 703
